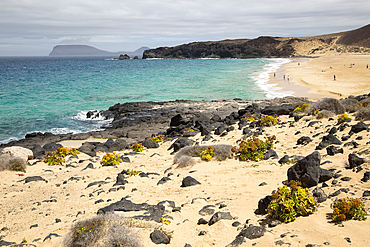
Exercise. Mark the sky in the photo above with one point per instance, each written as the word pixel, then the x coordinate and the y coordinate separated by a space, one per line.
pixel 34 27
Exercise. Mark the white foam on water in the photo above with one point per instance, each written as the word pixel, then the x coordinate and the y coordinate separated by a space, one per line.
pixel 208 58
pixel 262 79
pixel 7 140
pixel 81 116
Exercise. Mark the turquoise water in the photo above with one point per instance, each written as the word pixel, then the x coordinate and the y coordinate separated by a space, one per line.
pixel 48 94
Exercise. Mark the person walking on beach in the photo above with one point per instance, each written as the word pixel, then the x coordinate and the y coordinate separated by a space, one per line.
pixel 367 66
pixel 335 78
pixel 284 77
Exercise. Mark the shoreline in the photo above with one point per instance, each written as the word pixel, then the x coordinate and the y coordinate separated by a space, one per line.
pixel 282 84
pixel 314 77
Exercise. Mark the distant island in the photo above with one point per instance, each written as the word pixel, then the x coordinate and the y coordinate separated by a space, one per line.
pixel 357 41
pixel 86 50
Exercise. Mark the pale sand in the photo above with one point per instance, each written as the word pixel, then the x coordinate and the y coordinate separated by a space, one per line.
pixel 232 182
pixel 314 77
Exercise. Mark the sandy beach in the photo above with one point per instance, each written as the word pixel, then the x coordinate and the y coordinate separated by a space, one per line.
pixel 42 212
pixel 314 77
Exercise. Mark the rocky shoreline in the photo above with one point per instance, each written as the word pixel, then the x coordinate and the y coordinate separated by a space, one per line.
pixel 136 121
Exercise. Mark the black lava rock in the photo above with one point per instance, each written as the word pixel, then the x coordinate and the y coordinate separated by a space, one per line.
pixel 360 126
pixel 366 193
pixel 308 171
pixel 354 161
pixel 89 166
pixel 366 177
pixel 345 138
pixel 312 123
pixel 207 210
pixel 219 216
pixel 304 140
pixel 34 179
pixel 158 237
pixel 202 221
pixel 120 180
pixel 345 178
pixel 262 205
pixel 333 130
pixel 270 154
pixel 236 224
pixel 253 232
pixel 163 180
pixel 150 144
pixel 328 140
pixel 189 181
pixel 332 150
pixel 319 195
pixel 284 109
pixel 180 143
pixel 284 160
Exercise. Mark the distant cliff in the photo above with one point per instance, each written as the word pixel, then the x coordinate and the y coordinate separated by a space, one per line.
pixel 260 47
pixel 86 50
pixel 267 47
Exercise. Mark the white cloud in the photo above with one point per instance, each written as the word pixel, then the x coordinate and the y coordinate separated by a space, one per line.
pixel 126 25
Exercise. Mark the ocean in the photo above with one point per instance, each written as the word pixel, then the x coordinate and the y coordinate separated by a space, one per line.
pixel 53 94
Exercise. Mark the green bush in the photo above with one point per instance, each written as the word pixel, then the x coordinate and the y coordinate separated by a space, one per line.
pixel 342 118
pixel 290 203
pixel 254 149
pixel 348 209
pixel 269 120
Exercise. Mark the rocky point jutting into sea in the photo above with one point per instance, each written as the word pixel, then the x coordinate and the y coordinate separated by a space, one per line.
pixel 133 122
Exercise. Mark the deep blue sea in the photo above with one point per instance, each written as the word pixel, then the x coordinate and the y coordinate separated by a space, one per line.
pixel 53 94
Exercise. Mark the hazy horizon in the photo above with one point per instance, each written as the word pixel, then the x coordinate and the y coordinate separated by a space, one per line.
pixel 33 28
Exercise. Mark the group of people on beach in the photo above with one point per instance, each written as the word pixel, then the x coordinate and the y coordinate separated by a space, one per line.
pixel 283 77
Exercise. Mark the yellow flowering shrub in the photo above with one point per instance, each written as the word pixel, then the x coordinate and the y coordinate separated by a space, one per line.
pixel 137 147
pixel 111 159
pixel 290 203
pixel 347 209
pixel 57 157
pixel 157 138
pixel 208 154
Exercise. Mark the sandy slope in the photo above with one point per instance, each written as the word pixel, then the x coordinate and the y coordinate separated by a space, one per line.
pixel 231 182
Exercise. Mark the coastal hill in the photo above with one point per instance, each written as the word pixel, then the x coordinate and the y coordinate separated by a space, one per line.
pixel 86 50
pixel 351 41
